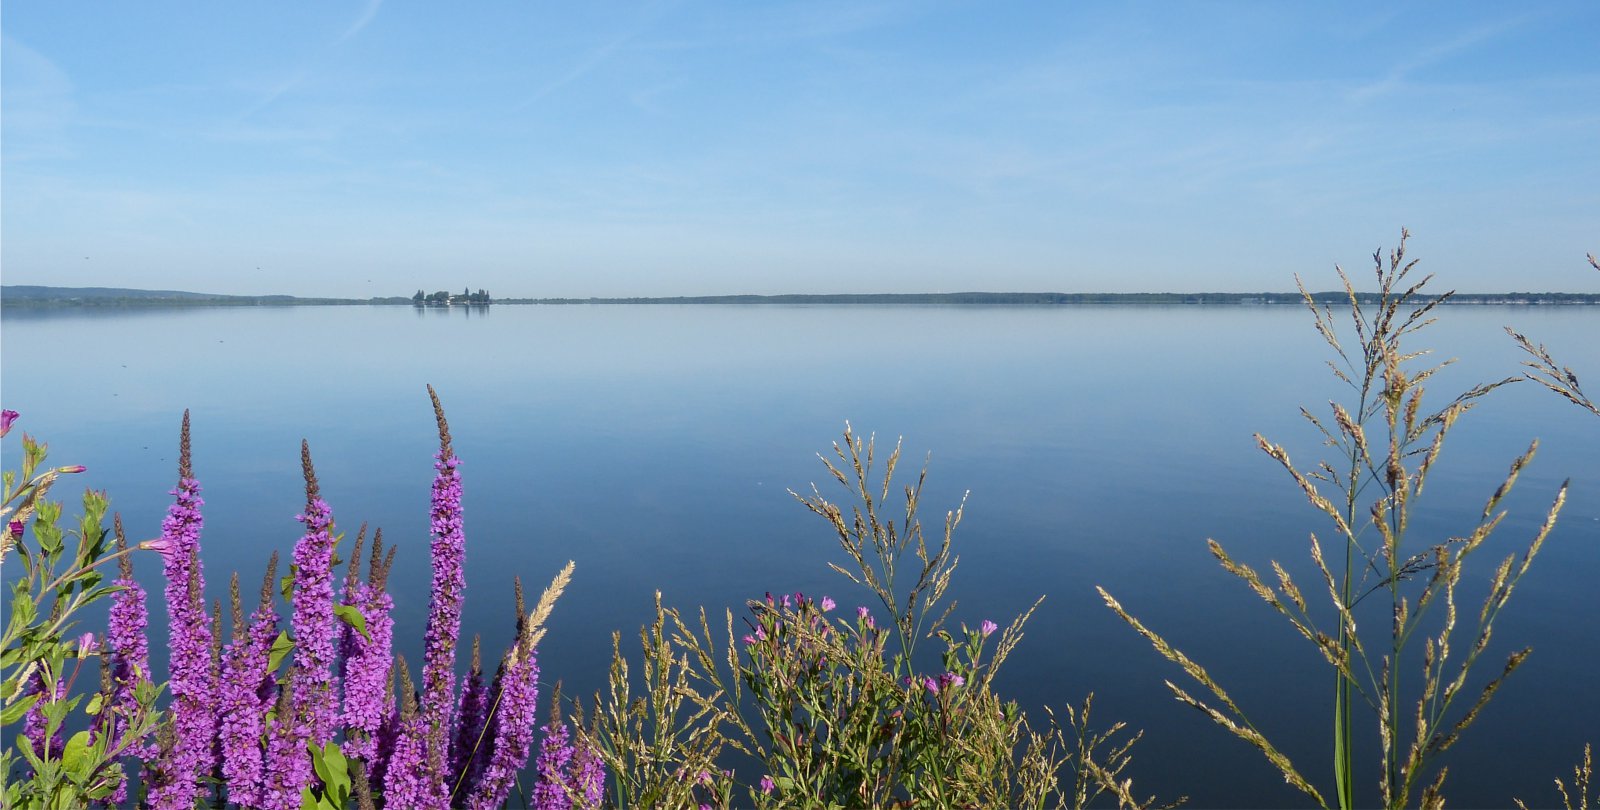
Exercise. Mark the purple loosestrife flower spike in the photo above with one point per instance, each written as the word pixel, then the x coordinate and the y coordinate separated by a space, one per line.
pixel 288 764
pixel 387 736
pixel 128 648
pixel 588 774
pixel 367 661
pixel 555 753
pixel 512 717
pixel 193 678
pixel 408 783
pixel 127 655
pixel 313 624
pixel 248 691
pixel 448 549
pixel 466 757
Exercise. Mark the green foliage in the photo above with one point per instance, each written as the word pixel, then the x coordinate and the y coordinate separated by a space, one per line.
pixel 832 712
pixel 333 776
pixel 40 664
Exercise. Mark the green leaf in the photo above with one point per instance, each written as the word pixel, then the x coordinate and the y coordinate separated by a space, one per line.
pixel 281 647
pixel 95 704
pixel 15 711
pixel 55 713
pixel 286 583
pixel 351 615
pixel 88 579
pixel 331 766
pixel 72 757
pixel 22 611
pixel 308 800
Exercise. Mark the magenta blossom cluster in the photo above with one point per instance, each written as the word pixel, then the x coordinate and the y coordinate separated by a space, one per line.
pixel 127 653
pixel 315 630
pixel 514 712
pixel 365 658
pixel 246 715
pixel 248 692
pixel 448 548
pixel 180 768
pixel 568 773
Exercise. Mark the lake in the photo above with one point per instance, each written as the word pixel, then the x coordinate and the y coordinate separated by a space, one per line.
pixel 656 447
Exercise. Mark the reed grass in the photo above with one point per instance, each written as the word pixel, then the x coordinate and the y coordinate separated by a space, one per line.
pixel 1563 382
pixel 1385 443
pixel 1580 797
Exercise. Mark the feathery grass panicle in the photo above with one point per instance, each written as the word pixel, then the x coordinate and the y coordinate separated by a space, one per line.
pixel 1559 379
pixel 1583 773
pixel 533 629
pixel 1234 721
pixel 1387 443
pixel 876 544
pixel 831 715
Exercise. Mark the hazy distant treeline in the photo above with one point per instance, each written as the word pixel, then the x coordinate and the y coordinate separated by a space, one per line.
pixel 35 296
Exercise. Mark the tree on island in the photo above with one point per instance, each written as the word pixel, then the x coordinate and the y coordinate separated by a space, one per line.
pixel 443 298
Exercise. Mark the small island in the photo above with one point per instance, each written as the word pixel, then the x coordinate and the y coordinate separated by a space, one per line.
pixel 445 299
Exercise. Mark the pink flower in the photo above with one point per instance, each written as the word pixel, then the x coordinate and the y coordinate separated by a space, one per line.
pixel 988 627
pixel 930 684
pixel 72 468
pixel 160 545
pixel 6 418
pixel 951 679
pixel 767 785
pixel 828 604
pixel 85 645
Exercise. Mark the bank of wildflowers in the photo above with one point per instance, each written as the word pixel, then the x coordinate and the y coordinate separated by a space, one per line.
pixel 305 704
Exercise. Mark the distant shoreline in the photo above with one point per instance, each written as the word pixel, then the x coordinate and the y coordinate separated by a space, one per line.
pixel 41 297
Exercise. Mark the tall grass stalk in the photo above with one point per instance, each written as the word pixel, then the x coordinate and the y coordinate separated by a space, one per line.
pixel 1386 444
pixel 1563 382
pixel 831 711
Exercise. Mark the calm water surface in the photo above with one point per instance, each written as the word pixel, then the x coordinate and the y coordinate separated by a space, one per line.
pixel 655 445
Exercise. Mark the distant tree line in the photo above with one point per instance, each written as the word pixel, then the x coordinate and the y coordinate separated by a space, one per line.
pixel 1335 298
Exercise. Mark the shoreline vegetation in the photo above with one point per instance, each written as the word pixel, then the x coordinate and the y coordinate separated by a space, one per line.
pixel 799 702
pixel 21 296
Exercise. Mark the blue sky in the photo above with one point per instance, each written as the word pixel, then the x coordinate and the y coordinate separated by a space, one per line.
pixel 573 149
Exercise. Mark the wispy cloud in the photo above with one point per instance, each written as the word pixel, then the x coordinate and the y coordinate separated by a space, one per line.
pixel 39 95
pixel 305 72
pixel 276 92
pixel 591 60
pixel 1429 56
pixel 368 14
